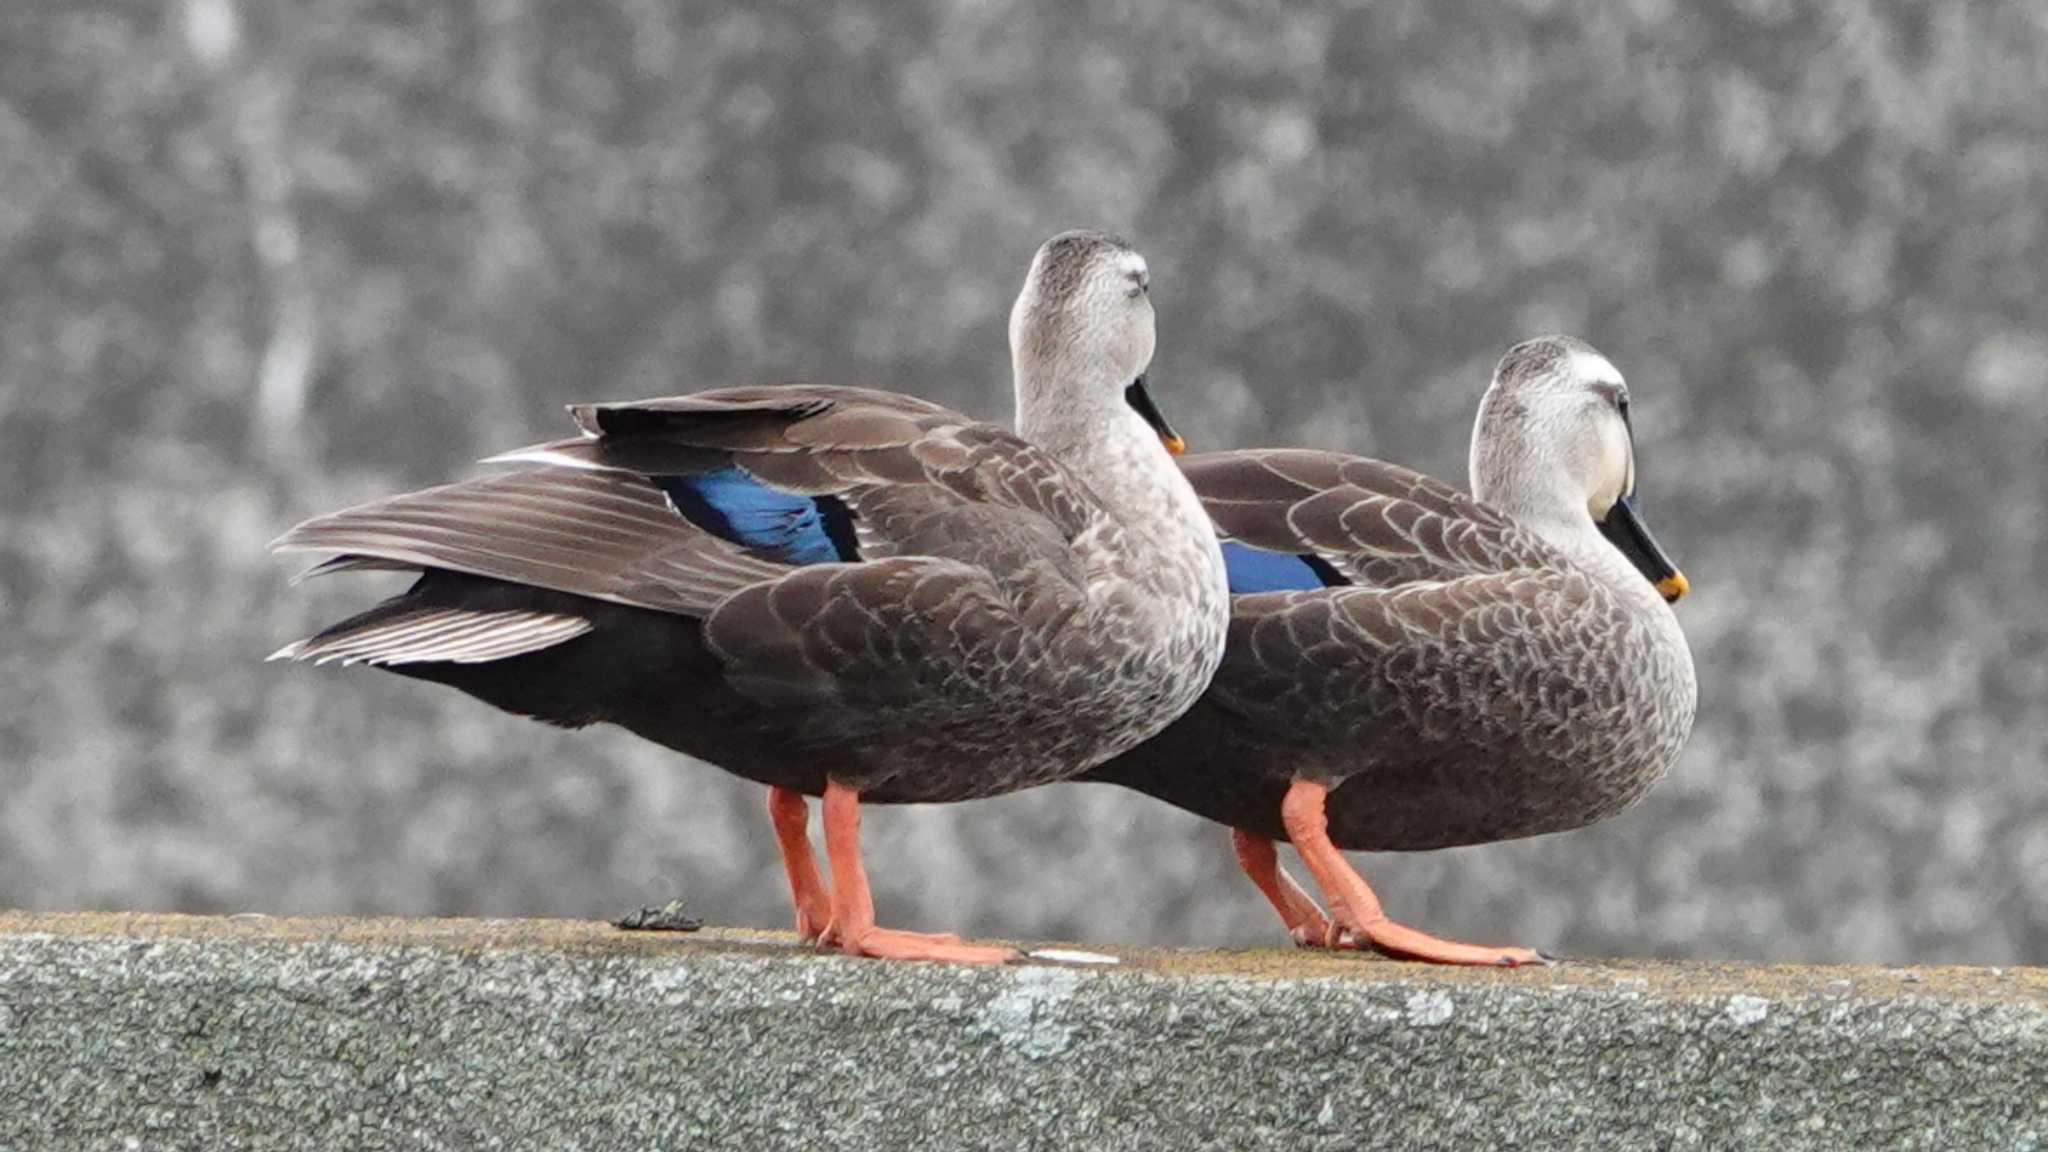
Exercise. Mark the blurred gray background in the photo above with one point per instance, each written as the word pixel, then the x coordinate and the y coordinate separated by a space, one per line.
pixel 258 261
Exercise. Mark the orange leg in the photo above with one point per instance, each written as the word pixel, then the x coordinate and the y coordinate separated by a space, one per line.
pixel 1353 907
pixel 791 815
pixel 1261 861
pixel 853 908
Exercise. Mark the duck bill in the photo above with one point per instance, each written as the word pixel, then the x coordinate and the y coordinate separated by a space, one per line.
pixel 1624 528
pixel 1141 401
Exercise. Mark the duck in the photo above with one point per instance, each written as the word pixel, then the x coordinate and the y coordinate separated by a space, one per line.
pixel 1410 667
pixel 837 592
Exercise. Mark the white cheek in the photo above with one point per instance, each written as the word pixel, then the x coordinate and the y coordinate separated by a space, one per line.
pixel 1148 334
pixel 1594 368
pixel 1610 468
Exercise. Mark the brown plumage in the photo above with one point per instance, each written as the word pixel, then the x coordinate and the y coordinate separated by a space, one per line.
pixel 832 591
pixel 1481 686
pixel 1459 674
pixel 967 618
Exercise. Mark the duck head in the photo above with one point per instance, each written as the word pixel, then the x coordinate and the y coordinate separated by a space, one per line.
pixel 1554 447
pixel 1081 337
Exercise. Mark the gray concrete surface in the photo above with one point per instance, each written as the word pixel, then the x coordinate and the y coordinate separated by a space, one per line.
pixel 157 1032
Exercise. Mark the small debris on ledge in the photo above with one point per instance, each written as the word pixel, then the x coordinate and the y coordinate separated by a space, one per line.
pixel 670 917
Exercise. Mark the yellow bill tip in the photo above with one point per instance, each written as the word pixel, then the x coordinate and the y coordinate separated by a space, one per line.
pixel 1674 587
pixel 1175 446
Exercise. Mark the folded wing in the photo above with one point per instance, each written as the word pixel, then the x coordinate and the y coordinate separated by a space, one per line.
pixel 610 536
pixel 1299 519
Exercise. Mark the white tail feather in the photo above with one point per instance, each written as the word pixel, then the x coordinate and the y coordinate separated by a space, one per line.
pixel 439 635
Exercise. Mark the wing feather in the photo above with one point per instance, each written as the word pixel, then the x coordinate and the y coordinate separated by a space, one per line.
pixel 1380 524
pixel 918 478
pixel 607 535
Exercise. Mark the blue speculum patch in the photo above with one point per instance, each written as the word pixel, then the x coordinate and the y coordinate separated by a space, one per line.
pixel 782 526
pixel 1258 570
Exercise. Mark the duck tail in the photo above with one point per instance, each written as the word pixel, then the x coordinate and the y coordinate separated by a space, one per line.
pixel 404 631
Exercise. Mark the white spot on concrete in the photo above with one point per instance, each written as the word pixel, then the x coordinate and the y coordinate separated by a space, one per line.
pixel 1430 1009
pixel 1745 1011
pixel 1327 1117
pixel 1027 1016
pixel 672 984
pixel 1072 956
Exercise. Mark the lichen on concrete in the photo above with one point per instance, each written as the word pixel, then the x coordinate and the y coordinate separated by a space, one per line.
pixel 177 1033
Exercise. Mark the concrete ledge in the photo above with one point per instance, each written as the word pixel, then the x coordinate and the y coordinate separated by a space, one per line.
pixel 184 1032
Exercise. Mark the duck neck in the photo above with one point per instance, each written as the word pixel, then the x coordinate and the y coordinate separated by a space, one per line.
pixel 1079 414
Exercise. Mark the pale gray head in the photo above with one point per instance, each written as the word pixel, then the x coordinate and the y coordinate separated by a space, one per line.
pixel 1553 446
pixel 1081 335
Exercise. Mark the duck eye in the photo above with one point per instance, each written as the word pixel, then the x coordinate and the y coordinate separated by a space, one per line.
pixel 1140 282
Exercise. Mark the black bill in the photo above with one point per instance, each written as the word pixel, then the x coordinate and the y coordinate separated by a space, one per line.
pixel 1624 528
pixel 1138 398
